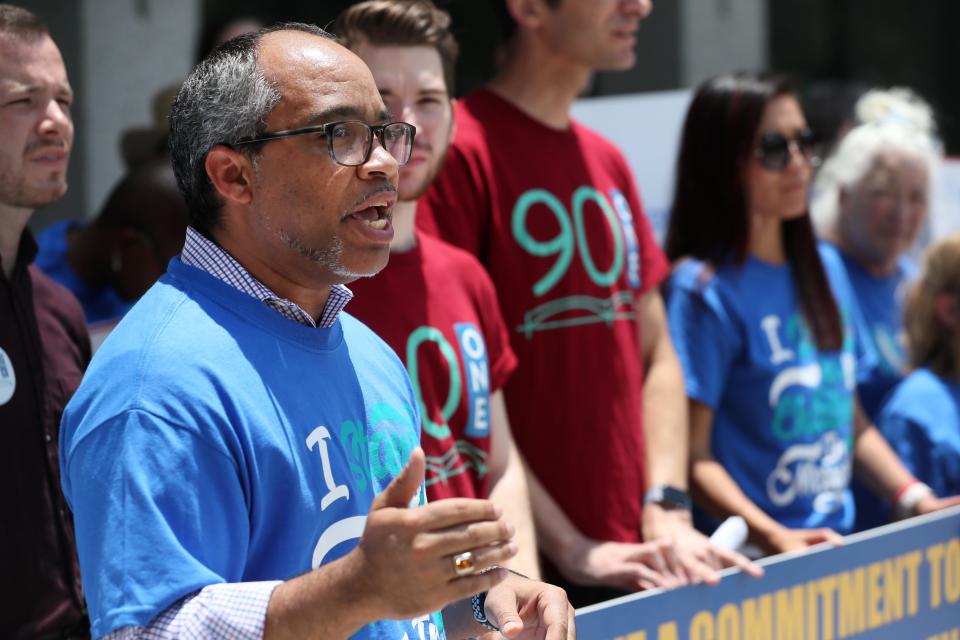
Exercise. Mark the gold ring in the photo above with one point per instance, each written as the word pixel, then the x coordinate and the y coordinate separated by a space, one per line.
pixel 463 564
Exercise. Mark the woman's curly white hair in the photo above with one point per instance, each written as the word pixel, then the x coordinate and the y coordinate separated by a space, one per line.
pixel 886 119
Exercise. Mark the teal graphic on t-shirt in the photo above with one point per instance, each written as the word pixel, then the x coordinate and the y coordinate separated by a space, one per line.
pixel 471 350
pixel 570 242
pixel 811 398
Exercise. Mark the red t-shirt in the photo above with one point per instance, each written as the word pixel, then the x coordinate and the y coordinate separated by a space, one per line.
pixel 556 219
pixel 436 307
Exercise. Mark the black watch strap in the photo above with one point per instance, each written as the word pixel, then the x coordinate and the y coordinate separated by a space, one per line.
pixel 668 497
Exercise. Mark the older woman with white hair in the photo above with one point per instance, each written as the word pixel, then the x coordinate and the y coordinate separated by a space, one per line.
pixel 870 201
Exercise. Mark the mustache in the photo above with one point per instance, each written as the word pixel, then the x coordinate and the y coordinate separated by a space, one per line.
pixel 382 186
pixel 46 143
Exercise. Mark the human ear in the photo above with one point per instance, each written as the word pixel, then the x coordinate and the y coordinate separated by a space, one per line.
pixel 231 173
pixel 527 13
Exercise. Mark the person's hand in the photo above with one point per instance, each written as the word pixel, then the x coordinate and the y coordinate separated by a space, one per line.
pixel 698 557
pixel 783 539
pixel 404 560
pixel 527 609
pixel 630 566
pixel 931 503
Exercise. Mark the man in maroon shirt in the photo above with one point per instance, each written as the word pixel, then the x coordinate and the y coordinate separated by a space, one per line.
pixel 43 342
pixel 552 211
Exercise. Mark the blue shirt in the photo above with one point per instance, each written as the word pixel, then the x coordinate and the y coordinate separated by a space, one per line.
pixel 243 447
pixel 783 409
pixel 99 304
pixel 881 306
pixel 921 421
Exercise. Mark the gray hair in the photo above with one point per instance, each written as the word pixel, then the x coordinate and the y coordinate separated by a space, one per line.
pixel 226 97
pixel 887 120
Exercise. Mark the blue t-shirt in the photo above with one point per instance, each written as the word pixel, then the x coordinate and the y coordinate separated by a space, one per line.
pixel 99 304
pixel 213 440
pixel 921 421
pixel 783 410
pixel 881 308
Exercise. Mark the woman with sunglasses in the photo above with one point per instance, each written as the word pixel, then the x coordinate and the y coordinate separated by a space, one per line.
pixel 763 328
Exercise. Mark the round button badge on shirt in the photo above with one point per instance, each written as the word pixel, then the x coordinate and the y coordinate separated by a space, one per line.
pixel 8 379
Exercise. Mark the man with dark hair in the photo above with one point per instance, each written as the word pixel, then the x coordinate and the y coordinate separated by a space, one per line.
pixel 434 303
pixel 111 261
pixel 260 476
pixel 43 343
pixel 552 211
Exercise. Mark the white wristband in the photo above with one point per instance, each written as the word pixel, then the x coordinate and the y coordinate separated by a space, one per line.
pixel 906 505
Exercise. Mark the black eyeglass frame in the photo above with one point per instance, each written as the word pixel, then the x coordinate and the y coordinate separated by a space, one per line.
pixel 806 142
pixel 377 130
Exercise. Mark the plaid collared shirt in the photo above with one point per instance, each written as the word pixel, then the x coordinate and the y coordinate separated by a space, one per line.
pixel 200 252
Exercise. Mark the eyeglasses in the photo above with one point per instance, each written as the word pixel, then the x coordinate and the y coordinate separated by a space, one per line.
pixel 350 142
pixel 775 150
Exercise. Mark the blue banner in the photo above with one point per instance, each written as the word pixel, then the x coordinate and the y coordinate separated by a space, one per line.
pixel 899 582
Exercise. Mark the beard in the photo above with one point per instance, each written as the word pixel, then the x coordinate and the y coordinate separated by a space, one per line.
pixel 416 191
pixel 330 257
pixel 18 191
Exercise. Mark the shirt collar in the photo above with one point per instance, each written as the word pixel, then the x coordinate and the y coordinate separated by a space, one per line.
pixel 204 254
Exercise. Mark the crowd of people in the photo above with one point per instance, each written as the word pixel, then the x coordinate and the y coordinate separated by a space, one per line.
pixel 386 364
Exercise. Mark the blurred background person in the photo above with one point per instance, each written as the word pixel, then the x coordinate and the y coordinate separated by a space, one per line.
pixel 140 145
pixel 44 347
pixel 217 31
pixel 433 303
pixel 111 261
pixel 551 209
pixel 870 202
pixel 762 325
pixel 921 417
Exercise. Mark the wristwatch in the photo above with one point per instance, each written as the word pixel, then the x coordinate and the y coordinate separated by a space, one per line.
pixel 668 497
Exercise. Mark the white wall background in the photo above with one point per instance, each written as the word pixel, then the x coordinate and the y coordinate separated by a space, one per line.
pixel 130 50
pixel 719 36
pixel 647 128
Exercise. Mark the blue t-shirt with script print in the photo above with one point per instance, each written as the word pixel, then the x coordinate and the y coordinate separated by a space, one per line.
pixel 213 440
pixel 783 410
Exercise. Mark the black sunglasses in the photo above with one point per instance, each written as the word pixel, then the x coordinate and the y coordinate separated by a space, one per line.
pixel 774 149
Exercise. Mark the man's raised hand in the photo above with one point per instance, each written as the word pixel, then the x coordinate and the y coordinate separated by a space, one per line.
pixel 405 557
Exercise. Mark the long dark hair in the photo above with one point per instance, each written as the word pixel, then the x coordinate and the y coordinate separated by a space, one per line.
pixel 709 218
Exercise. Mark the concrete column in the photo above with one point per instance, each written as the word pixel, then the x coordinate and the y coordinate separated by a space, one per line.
pixel 719 36
pixel 131 49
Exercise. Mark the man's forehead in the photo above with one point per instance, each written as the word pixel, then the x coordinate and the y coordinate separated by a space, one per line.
pixel 402 64
pixel 291 56
pixel 28 61
pixel 318 76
